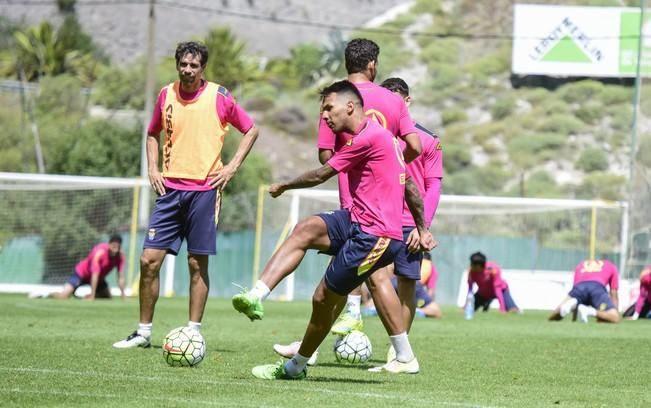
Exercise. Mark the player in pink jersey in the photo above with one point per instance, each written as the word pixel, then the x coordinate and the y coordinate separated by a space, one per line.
pixel 92 270
pixel 361 239
pixel 194 115
pixel 589 296
pixel 642 307
pixel 490 285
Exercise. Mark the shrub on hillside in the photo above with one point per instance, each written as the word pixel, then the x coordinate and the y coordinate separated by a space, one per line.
pixel 457 157
pixel 616 94
pixel 643 155
pixel 601 185
pixel 503 107
pixel 590 112
pixel 592 159
pixel 562 124
pixel 552 105
pixel 535 144
pixel 621 117
pixel 454 115
pixel 581 91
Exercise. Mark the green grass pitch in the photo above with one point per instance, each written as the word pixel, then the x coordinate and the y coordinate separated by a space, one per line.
pixel 58 353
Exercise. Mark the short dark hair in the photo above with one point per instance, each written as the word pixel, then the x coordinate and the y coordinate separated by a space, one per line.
pixel 344 86
pixel 359 52
pixel 478 259
pixel 396 85
pixel 191 47
pixel 115 238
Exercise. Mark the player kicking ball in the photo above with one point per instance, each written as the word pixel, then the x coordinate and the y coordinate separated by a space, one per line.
pixel 363 239
pixel 589 296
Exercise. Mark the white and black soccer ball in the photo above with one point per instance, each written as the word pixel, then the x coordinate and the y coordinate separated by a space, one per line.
pixel 355 347
pixel 184 347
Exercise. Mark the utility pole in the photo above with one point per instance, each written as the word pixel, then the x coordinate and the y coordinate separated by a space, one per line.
pixel 143 212
pixel 636 113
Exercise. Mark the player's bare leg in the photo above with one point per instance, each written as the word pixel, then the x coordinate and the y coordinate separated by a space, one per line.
pixel 386 301
pixel 567 305
pixel 432 310
pixel 608 316
pixel 311 233
pixel 65 293
pixel 199 286
pixel 150 264
pixel 407 296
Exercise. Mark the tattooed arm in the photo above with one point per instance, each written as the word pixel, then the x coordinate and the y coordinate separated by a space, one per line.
pixel 423 240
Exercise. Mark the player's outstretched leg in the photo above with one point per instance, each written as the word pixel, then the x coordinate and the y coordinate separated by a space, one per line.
pixel 150 263
pixel 324 302
pixel 605 316
pixel 311 233
pixel 565 308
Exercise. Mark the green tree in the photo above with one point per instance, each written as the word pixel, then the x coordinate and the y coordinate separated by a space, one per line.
pixel 592 159
pixel 227 63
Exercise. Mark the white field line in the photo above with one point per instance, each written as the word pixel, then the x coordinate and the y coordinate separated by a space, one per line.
pixel 257 384
pixel 16 390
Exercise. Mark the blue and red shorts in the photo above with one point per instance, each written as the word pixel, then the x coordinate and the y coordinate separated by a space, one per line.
pixel 592 293
pixel 179 215
pixel 356 254
pixel 76 281
pixel 407 264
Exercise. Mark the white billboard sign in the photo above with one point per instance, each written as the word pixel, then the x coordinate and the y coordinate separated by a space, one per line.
pixel 578 41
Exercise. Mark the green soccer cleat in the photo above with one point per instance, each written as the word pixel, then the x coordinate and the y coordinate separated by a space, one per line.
pixel 346 323
pixel 275 372
pixel 248 304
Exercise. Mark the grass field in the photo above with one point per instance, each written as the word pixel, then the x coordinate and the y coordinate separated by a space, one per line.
pixel 59 353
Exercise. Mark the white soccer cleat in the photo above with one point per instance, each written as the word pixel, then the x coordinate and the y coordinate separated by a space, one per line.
pixel 132 341
pixel 583 312
pixel 290 350
pixel 396 367
pixel 391 354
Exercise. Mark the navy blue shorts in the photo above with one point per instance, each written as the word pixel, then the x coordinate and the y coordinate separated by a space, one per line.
pixel 422 295
pixel 407 264
pixel 180 215
pixel 356 254
pixel 485 303
pixel 76 281
pixel 593 294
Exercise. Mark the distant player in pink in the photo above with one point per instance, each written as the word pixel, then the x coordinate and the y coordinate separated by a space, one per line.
pixel 643 304
pixel 490 285
pixel 92 270
pixel 589 296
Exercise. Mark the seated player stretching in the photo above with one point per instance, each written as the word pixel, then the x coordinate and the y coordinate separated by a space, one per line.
pixel 362 239
pixel 490 285
pixel 590 293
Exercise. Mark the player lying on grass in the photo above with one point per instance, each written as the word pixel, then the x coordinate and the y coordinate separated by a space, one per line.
pixel 362 239
pixel 194 114
pixel 426 171
pixel 490 284
pixel 642 307
pixel 93 269
pixel 589 296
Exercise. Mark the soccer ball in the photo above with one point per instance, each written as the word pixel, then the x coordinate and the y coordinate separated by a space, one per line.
pixel 355 347
pixel 184 347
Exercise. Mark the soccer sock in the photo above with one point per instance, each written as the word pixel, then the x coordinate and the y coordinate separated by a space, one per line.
pixel 296 364
pixel 260 290
pixel 353 305
pixel 144 329
pixel 194 325
pixel 567 306
pixel 591 311
pixel 400 343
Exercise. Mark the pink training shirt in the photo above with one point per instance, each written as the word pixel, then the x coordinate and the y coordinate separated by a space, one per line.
pixel 99 262
pixel 426 171
pixel 380 104
pixel 645 290
pixel 433 277
pixel 603 272
pixel 490 283
pixel 376 173
pixel 228 112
